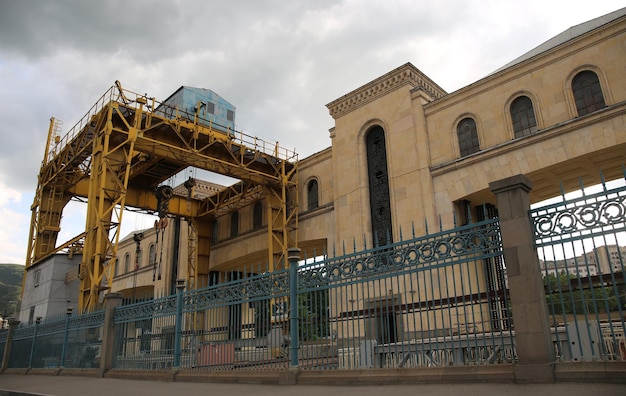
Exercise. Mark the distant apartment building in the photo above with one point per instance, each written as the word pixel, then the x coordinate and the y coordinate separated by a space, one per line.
pixel 602 260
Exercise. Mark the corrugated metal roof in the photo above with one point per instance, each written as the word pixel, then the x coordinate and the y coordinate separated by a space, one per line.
pixel 567 35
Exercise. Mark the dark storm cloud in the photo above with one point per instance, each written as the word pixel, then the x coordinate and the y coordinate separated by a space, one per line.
pixel 44 28
pixel 279 62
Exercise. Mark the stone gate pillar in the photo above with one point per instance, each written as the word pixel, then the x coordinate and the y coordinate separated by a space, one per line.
pixel 533 338
pixel 7 346
pixel 111 301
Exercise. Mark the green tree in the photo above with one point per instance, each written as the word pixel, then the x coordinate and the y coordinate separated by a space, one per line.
pixel 10 287
pixel 313 315
pixel 567 294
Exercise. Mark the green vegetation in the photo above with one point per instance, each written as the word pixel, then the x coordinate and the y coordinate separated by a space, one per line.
pixel 569 295
pixel 313 315
pixel 10 287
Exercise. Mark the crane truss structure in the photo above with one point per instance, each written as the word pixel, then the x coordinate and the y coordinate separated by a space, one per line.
pixel 121 151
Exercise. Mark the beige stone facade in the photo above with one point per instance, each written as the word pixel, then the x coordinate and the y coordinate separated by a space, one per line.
pixel 428 177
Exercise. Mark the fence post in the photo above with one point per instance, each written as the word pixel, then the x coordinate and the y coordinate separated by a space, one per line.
pixel 533 337
pixel 111 301
pixel 7 345
pixel 32 345
pixel 180 286
pixel 68 314
pixel 293 257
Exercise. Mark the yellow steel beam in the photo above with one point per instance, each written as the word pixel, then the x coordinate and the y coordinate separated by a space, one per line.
pixel 118 153
pixel 111 164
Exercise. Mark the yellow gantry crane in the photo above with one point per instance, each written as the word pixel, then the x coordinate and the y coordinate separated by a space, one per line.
pixel 121 151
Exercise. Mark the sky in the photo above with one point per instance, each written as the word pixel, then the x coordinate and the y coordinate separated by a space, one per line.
pixel 278 62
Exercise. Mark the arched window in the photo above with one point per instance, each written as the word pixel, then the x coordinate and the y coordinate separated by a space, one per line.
pixel 312 195
pixel 257 215
pixel 380 206
pixel 523 117
pixel 126 263
pixel 468 137
pixel 152 255
pixel 587 92
pixel 234 224
pixel 117 266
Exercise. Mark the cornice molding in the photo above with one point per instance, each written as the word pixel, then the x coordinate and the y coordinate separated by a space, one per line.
pixel 406 74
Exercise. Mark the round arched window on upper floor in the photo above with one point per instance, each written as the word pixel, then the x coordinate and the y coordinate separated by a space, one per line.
pixel 523 117
pixel 468 137
pixel 587 92
pixel 312 195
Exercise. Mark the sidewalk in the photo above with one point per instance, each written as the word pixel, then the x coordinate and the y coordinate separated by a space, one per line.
pixel 81 386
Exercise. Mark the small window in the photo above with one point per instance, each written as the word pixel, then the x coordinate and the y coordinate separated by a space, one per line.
pixel 210 108
pixel 312 195
pixel 152 255
pixel 234 224
pixel 230 115
pixel 468 137
pixel 31 315
pixel 257 215
pixel 523 117
pixel 117 266
pixel 36 278
pixel 587 93
pixel 126 263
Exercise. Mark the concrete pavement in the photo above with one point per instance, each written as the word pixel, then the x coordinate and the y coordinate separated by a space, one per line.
pixel 75 386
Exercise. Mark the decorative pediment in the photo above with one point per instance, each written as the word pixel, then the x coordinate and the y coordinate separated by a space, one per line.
pixel 406 74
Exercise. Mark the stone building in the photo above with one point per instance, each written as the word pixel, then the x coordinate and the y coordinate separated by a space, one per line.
pixel 404 153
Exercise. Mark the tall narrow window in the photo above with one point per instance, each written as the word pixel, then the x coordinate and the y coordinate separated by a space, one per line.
pixel 234 224
pixel 152 255
pixel 126 263
pixel 37 278
pixel 587 92
pixel 215 232
pixel 380 206
pixel 257 215
pixel 523 117
pixel 468 137
pixel 312 198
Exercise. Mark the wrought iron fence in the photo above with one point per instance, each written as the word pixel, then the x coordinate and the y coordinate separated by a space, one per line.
pixel 422 302
pixel 230 324
pixel 418 303
pixel 427 301
pixel 581 244
pixel 66 341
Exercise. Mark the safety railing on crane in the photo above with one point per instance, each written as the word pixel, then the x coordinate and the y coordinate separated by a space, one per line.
pixel 130 99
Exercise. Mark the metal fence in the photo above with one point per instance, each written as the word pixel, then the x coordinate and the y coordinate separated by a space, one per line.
pixel 436 300
pixel 581 244
pixel 422 302
pixel 67 341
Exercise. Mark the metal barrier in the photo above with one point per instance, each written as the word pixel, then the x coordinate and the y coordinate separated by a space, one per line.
pixel 67 341
pixel 581 244
pixel 437 300
pixel 421 302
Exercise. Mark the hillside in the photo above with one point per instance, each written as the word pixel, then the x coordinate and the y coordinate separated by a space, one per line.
pixel 10 286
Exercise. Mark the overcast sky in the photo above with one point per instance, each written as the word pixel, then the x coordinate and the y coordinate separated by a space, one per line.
pixel 278 62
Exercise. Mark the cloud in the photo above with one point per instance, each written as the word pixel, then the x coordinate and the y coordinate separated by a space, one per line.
pixel 16 220
pixel 278 62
